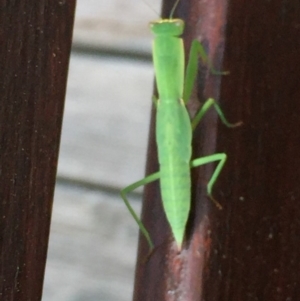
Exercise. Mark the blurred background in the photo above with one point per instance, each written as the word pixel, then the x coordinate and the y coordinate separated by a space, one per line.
pixel 93 239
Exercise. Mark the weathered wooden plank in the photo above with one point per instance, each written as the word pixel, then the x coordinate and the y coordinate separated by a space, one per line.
pixel 105 127
pixel 92 247
pixel 115 26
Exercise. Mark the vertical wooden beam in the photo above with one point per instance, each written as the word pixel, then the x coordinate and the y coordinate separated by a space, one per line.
pixel 248 250
pixel 34 54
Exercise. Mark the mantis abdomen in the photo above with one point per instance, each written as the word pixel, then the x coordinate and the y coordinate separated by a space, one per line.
pixel 174 135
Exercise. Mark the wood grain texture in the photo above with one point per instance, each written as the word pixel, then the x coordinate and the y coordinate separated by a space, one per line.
pixel 35 46
pixel 248 250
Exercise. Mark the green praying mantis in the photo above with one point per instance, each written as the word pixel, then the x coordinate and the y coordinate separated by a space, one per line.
pixel 174 126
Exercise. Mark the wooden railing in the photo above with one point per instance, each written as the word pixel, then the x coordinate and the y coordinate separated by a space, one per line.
pixel 248 250
pixel 35 47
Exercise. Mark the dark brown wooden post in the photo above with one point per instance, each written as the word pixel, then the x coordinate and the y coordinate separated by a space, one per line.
pixel 34 54
pixel 250 249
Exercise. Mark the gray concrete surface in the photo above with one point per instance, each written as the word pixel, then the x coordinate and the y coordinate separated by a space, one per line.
pixel 93 238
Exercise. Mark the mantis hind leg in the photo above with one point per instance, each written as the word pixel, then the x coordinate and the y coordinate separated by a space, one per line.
pixel 221 157
pixel 126 190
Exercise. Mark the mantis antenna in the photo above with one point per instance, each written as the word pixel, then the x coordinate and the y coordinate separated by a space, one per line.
pixel 173 9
